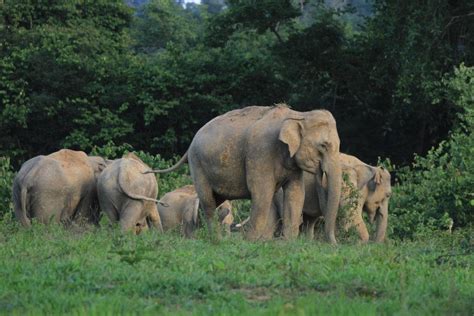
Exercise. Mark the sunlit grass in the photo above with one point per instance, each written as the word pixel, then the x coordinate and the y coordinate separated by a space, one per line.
pixel 51 270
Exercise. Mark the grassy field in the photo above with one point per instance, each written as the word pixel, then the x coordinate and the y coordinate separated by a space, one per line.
pixel 51 270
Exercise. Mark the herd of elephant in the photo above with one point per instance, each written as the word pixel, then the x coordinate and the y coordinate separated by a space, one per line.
pixel 287 162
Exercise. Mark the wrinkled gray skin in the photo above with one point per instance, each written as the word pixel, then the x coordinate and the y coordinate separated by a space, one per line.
pixel 57 187
pixel 128 196
pixel 254 151
pixel 373 194
pixel 182 211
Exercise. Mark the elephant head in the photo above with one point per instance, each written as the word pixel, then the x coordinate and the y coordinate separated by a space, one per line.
pixel 226 218
pixel 98 164
pixel 379 190
pixel 313 141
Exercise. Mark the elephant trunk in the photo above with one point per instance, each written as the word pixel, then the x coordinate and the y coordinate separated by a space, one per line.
pixel 332 168
pixel 381 222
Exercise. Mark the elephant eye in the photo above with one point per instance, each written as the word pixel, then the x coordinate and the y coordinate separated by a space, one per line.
pixel 324 146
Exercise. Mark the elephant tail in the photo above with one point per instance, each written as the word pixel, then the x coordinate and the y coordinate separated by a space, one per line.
pixel 173 168
pixel 19 203
pixel 123 187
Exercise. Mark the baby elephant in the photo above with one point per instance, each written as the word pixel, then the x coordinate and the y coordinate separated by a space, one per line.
pixel 182 210
pixel 128 196
pixel 372 194
pixel 366 189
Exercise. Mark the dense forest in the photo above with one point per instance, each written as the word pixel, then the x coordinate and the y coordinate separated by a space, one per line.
pixel 80 74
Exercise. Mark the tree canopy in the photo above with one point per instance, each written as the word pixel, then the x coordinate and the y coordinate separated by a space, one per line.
pixel 85 73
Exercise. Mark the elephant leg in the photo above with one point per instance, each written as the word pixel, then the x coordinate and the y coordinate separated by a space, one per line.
pixel 273 219
pixel 71 208
pixel 359 224
pixel 261 203
pixel 357 221
pixel 208 204
pixel 188 229
pixel 109 208
pixel 131 215
pixel 293 207
pixel 362 230
pixel 86 209
pixel 190 219
pixel 154 216
pixel 48 207
pixel 46 217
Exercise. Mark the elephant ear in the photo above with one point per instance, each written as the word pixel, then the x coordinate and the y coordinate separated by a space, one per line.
pixel 102 164
pixel 378 175
pixel 290 134
pixel 223 212
pixel 98 163
pixel 367 175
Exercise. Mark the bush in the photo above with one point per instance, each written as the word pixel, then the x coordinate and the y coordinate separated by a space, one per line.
pixel 6 180
pixel 437 192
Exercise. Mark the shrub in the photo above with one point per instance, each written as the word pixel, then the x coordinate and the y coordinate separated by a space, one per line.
pixel 437 192
pixel 6 180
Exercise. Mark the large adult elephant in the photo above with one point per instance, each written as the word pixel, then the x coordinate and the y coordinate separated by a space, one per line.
pixel 128 196
pixel 372 194
pixel 57 187
pixel 252 152
pixel 182 211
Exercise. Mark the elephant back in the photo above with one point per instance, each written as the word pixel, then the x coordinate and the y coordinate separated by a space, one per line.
pixel 74 165
pixel 187 189
pixel 133 181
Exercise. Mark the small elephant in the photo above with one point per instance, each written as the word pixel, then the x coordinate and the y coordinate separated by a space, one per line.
pixel 372 193
pixel 183 210
pixel 128 196
pixel 254 151
pixel 373 190
pixel 57 187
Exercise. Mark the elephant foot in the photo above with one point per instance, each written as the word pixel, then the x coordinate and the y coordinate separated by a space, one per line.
pixel 256 236
pixel 290 233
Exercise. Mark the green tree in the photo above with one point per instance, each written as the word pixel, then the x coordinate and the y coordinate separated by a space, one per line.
pixel 260 16
pixel 161 22
pixel 395 64
pixel 437 191
pixel 62 66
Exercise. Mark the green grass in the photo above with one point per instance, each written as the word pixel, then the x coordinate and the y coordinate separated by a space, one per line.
pixel 51 270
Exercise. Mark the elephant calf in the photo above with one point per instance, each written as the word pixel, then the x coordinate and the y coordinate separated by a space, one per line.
pixel 372 194
pixel 128 196
pixel 182 210
pixel 57 187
